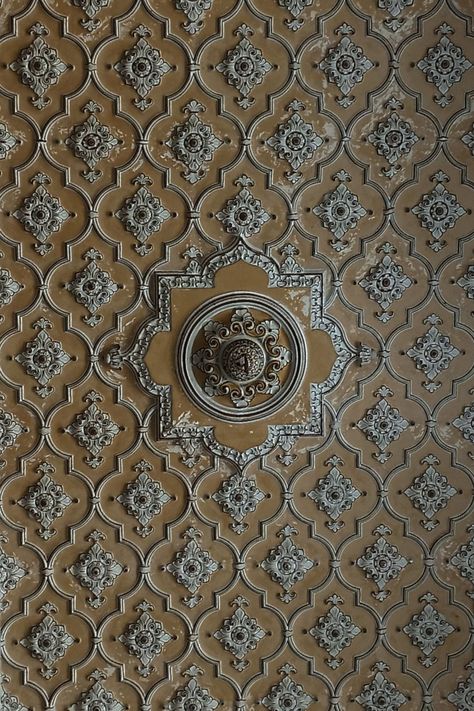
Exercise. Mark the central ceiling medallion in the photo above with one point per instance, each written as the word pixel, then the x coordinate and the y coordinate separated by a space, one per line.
pixel 241 356
pixel 239 372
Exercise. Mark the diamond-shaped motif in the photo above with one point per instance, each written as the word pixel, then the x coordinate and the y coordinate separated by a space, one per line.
pixel 11 572
pixel 240 634
pixel 243 215
pixel 438 211
pixel 382 563
pixel 382 424
pixel 392 139
pixel 462 696
pixel 92 287
pixel 143 498
pixel 339 211
pixel 142 214
pixel 192 566
pixel 93 429
pixel 287 564
pixel 97 697
pixel 48 641
pixel 39 67
pixel 142 67
pixel 244 67
pixel 431 491
pixel 428 629
pixel 91 141
pixel 145 638
pixel 345 65
pixel 10 429
pixel 287 694
pixel 433 353
pixel 381 693
pixel 385 283
pixel 238 496
pixel 96 570
pixel 295 141
pixel 463 559
pixel 444 65
pixel 334 631
pixel 192 695
pixel 43 358
pixel 45 501
pixel 465 422
pixel 334 493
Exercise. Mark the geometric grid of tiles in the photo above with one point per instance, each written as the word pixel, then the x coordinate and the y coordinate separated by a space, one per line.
pixel 236 417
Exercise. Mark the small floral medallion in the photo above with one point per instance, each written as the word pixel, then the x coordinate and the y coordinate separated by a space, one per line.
pixel 383 424
pixel 238 496
pixel 142 214
pixel 193 143
pixel 43 358
pixel 345 65
pixel 41 214
pixel 92 287
pixel 385 283
pixel 192 567
pixel 48 641
pixel 244 67
pixel 143 498
pixel 428 629
pixel 93 429
pixel 381 562
pixel 243 215
pixel 45 501
pixel 287 694
pixel 444 65
pixel 142 67
pixel 430 491
pixel 438 211
pixel 340 211
pixel 91 141
pixel 39 66
pixel 287 564
pixel 295 141
pixel 145 638
pixel 432 353
pixel 240 634
pixel 334 493
pixel 392 139
pixel 381 694
pixel 334 631
pixel 96 570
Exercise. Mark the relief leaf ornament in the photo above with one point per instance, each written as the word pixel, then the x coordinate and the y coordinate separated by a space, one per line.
pixel 334 631
pixel 43 358
pixel 240 634
pixel 392 139
pixel 381 694
pixel 92 287
pixel 8 702
pixel 96 570
pixel 48 641
pixel 340 211
pixel 334 493
pixel 97 697
pixel 382 424
pixel 463 695
pixel 432 353
pixel 430 491
pixel 463 559
pixel 90 9
pixel 8 287
pixel 428 629
pixel 438 211
pixel 145 638
pixel 11 572
pixel 244 67
pixel 466 282
pixel 238 496
pixel 465 422
pixel 142 67
pixel 142 214
pixel 295 8
pixel 385 283
pixel 192 566
pixel 41 214
pixel 381 562
pixel 7 141
pixel 45 501
pixel 295 141
pixel 39 66
pixel 193 143
pixel 243 215
pixel 287 694
pixel 192 695
pixel 287 564
pixel 345 65
pixel 93 429
pixel 444 65
pixel 194 10
pixel 143 498
pixel 91 141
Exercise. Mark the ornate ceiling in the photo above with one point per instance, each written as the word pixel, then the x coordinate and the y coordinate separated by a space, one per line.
pixel 236 426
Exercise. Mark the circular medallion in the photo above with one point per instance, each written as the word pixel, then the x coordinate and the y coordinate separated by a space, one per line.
pixel 241 356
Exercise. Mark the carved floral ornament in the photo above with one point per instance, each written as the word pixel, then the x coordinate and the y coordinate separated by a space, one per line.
pixel 241 356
